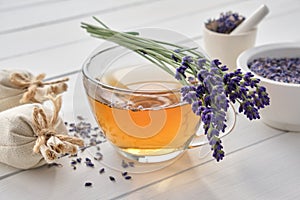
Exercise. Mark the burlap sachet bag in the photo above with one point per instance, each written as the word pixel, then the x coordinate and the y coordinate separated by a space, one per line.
pixel 32 135
pixel 19 87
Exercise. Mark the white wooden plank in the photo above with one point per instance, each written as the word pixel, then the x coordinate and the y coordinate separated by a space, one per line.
pixel 6 171
pixel 41 15
pixel 8 5
pixel 28 41
pixel 54 61
pixel 268 170
pixel 16 3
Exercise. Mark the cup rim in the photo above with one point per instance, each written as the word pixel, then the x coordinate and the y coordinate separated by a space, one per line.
pixel 87 75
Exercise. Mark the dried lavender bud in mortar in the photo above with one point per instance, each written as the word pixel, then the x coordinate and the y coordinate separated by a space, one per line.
pixel 226 22
pixel 285 70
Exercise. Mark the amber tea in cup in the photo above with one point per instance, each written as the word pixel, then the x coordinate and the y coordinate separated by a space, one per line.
pixel 139 109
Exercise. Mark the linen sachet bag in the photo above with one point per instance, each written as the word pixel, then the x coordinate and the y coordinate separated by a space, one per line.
pixel 32 135
pixel 19 87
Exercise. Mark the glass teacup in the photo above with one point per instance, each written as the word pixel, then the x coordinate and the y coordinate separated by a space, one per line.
pixel 138 105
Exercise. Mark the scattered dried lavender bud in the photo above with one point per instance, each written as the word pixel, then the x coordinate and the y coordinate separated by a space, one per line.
pixel 89 164
pixel 73 162
pixel 111 178
pixel 101 133
pixel 101 171
pixel 98 158
pixel 124 173
pixel 93 142
pixel 131 164
pixel 127 177
pixel 124 164
pixel 82 149
pixel 72 130
pixel 80 118
pixel 78 160
pixel 93 136
pixel 88 184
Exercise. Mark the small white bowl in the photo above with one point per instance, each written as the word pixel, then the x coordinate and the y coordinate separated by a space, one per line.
pixel 284 109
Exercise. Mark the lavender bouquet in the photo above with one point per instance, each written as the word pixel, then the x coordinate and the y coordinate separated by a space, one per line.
pixel 207 85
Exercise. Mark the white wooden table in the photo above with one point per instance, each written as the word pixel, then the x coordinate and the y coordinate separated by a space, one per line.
pixel 45 36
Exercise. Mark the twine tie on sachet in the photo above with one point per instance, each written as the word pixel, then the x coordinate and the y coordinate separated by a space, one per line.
pixel 35 87
pixel 50 143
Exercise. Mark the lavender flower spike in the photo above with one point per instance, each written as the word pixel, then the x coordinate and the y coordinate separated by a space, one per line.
pixel 210 98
